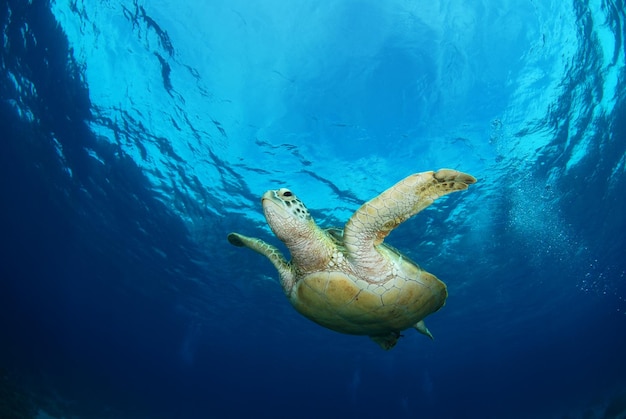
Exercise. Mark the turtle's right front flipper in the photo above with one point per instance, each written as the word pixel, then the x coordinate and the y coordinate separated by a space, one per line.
pixel 269 251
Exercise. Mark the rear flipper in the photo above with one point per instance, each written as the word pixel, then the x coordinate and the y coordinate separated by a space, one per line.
pixel 421 327
pixel 387 341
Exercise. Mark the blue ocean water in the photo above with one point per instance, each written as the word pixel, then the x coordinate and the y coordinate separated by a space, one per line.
pixel 137 135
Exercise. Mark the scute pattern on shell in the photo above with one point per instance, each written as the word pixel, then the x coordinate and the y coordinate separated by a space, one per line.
pixel 336 301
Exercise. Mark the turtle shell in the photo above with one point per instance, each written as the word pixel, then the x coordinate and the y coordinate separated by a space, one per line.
pixel 342 302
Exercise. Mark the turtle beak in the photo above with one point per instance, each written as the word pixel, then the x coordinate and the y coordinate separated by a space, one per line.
pixel 271 203
pixel 270 196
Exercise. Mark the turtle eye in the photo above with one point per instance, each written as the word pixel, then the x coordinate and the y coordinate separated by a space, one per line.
pixel 287 193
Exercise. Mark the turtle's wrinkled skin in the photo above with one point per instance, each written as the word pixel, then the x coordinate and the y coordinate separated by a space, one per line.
pixel 349 280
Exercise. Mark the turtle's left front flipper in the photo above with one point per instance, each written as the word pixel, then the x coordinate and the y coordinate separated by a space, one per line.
pixel 371 223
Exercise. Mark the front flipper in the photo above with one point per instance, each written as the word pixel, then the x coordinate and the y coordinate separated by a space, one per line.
pixel 269 251
pixel 371 223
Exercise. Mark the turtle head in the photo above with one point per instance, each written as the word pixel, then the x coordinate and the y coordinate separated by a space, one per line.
pixel 286 215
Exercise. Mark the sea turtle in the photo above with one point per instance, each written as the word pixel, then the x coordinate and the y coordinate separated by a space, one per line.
pixel 349 280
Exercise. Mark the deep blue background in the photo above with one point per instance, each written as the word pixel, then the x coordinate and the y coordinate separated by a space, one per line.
pixel 130 150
